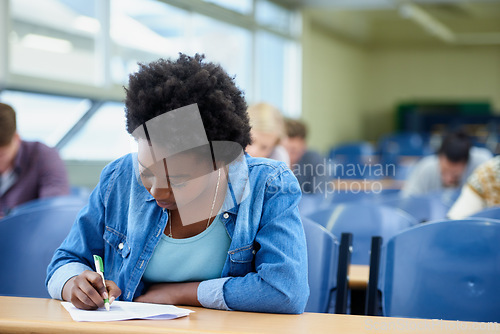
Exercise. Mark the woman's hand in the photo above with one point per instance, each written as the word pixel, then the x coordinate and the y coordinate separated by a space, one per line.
pixel 86 291
pixel 171 294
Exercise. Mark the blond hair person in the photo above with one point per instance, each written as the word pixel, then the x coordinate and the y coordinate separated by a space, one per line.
pixel 268 129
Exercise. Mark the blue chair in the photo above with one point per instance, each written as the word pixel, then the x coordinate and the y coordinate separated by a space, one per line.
pixel 442 270
pixel 81 191
pixel 346 196
pixel 28 239
pixel 327 269
pixel 352 150
pixel 310 203
pixel 337 196
pixel 493 212
pixel 352 161
pixel 56 201
pixel 400 151
pixel 363 220
pixel 404 144
pixel 423 208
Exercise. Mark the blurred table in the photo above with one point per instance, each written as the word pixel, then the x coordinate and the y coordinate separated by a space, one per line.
pixel 358 276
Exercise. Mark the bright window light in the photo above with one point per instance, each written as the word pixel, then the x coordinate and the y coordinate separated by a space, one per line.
pixel 88 24
pixel 47 43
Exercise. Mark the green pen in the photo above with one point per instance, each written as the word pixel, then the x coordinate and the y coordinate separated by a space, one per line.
pixel 99 267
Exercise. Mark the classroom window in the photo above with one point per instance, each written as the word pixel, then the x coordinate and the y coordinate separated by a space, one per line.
pixel 225 44
pixel 54 39
pixel 276 63
pixel 88 48
pixel 239 6
pixel 143 31
pixel 104 136
pixel 273 16
pixel 42 117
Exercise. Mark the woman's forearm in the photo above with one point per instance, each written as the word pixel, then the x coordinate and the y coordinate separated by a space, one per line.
pixel 171 294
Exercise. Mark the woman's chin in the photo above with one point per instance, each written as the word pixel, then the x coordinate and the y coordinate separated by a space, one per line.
pixel 166 205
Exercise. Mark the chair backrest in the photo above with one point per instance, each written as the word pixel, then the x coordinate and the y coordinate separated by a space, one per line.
pixel 493 212
pixel 443 270
pixel 310 203
pixel 28 239
pixel 353 161
pixel 399 152
pixel 56 201
pixel 322 256
pixel 81 191
pixel 352 150
pixel 422 207
pixel 404 144
pixel 364 220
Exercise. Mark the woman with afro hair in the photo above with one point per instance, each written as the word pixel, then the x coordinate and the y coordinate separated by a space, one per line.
pixel 190 219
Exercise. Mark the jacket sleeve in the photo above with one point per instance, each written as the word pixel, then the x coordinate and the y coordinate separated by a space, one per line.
pixel 84 239
pixel 279 284
pixel 468 203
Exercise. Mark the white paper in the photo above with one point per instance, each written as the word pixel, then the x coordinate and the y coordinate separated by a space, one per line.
pixel 127 310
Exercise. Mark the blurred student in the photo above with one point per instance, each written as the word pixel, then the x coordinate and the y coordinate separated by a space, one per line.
pixel 28 170
pixel 481 191
pixel 268 130
pixel 308 166
pixel 449 169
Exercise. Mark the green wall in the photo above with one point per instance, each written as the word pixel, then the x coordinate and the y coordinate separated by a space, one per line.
pixel 332 85
pixel 350 91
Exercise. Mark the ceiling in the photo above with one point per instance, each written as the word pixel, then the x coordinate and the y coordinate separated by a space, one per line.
pixel 400 22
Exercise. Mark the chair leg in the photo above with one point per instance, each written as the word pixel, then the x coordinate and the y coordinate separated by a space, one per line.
pixel 345 250
pixel 371 292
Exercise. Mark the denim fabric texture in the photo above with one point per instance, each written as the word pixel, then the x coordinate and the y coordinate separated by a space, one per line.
pixel 266 266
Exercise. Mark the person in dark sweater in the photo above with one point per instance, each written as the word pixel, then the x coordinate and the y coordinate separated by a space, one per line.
pixel 28 170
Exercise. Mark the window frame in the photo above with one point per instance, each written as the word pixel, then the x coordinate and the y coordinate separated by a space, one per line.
pixel 106 91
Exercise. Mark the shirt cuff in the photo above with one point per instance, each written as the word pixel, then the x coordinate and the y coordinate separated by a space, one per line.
pixel 62 275
pixel 210 294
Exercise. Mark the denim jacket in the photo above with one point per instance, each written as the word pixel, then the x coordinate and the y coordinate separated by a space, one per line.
pixel 266 265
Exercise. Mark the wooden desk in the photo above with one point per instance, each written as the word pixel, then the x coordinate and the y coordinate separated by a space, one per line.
pixel 21 315
pixel 358 276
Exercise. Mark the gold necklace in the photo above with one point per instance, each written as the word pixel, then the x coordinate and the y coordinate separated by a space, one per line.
pixel 211 210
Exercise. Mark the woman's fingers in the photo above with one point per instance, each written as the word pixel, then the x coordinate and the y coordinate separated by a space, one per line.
pixel 87 290
pixel 113 291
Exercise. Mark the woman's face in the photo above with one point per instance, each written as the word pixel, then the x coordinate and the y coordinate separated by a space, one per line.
pixel 263 144
pixel 174 181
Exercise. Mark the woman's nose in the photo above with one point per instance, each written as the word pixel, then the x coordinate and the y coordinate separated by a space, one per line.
pixel 161 191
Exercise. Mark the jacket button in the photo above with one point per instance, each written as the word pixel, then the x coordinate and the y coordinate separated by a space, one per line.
pixel 225 215
pixel 120 245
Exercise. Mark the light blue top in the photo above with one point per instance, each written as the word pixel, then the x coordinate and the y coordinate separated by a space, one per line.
pixel 185 260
